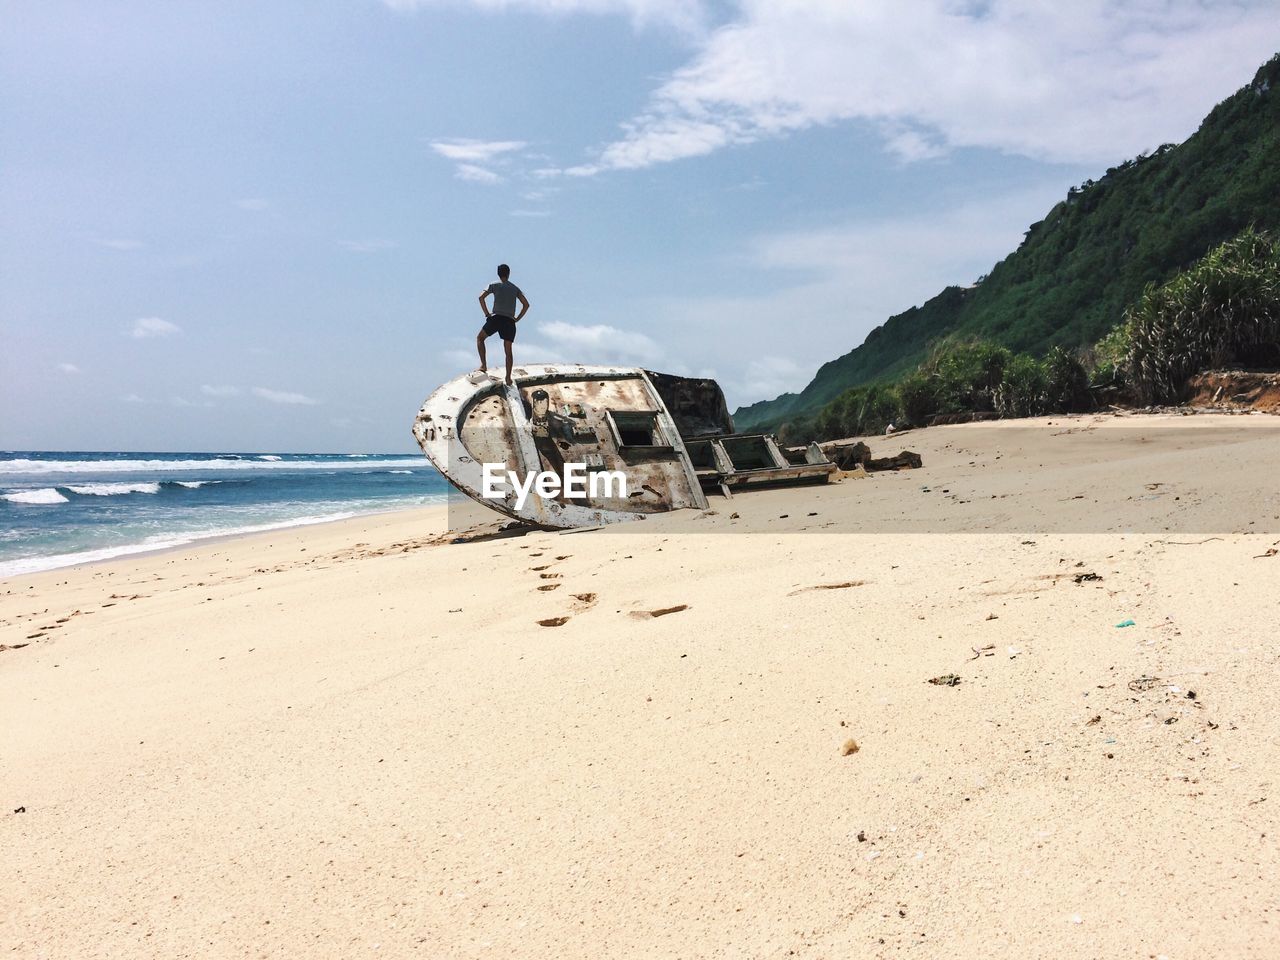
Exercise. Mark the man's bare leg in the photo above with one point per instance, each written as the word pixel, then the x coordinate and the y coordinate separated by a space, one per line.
pixel 484 363
pixel 506 345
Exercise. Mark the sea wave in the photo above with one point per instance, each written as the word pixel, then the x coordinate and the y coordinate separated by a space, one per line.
pixel 113 489
pixel 270 456
pixel 27 467
pixel 43 495
pixel 13 568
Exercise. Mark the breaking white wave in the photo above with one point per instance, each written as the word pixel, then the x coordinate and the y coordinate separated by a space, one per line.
pixel 44 495
pixel 13 568
pixel 113 489
pixel 270 456
pixel 22 466
pixel 399 471
pixel 195 484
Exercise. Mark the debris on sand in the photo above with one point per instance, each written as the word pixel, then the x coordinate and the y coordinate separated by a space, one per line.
pixel 1087 578
pixel 852 456
pixel 661 612
pixel 849 747
pixel 946 680
pixel 1143 684
pixel 553 622
pixel 1125 623
pixel 829 586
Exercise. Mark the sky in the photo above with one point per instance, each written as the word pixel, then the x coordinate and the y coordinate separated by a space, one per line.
pixel 244 226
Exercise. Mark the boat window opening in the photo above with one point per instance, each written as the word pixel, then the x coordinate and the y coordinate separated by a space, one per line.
pixel 701 455
pixel 637 428
pixel 749 453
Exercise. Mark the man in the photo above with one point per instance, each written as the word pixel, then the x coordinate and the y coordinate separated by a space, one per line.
pixel 502 319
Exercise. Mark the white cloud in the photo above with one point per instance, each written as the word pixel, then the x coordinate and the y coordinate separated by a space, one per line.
pixel 475 151
pixel 219 390
pixel 253 204
pixel 559 342
pixel 474 174
pixel 599 343
pixel 148 327
pixel 685 15
pixel 1089 81
pixel 68 368
pixel 770 376
pixel 283 396
pixel 133 398
pixel 473 158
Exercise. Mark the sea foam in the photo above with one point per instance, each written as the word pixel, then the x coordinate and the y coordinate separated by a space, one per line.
pixel 23 466
pixel 113 489
pixel 44 495
pixel 11 568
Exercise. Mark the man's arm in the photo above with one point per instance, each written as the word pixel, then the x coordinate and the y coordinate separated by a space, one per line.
pixel 524 307
pixel 484 306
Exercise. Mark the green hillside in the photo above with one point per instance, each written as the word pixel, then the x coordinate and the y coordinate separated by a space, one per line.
pixel 1070 280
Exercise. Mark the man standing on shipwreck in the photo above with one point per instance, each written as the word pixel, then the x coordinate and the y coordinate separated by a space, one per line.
pixel 503 318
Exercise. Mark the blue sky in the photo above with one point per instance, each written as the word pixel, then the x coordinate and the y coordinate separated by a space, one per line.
pixel 263 226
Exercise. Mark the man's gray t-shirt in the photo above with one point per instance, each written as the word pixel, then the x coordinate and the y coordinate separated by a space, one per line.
pixel 504 297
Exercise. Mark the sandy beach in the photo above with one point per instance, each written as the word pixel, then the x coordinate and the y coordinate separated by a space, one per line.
pixel 360 740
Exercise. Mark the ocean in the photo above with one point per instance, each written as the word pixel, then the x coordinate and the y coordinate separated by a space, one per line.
pixel 62 508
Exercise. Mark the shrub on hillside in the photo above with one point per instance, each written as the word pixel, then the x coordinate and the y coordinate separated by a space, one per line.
pixel 1066 382
pixel 1224 309
pixel 965 375
pixel 1024 390
pixel 916 400
pixel 1108 359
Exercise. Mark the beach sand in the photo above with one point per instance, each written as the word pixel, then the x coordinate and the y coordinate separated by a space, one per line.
pixel 357 740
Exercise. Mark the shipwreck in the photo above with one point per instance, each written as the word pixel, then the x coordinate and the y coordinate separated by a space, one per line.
pixel 657 442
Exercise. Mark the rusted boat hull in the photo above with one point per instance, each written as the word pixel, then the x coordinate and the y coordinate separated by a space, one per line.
pixel 609 419
pixel 668 437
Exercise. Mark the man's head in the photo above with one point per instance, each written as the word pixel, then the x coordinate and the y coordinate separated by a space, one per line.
pixel 503 271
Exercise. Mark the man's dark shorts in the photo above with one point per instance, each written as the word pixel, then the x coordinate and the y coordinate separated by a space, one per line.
pixel 504 327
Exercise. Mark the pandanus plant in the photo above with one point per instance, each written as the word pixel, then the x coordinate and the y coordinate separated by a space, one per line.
pixel 1224 309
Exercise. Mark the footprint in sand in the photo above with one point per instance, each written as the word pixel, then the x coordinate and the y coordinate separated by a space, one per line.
pixel 553 622
pixel 545 566
pixel 549 576
pixel 660 612
pixel 550 586
pixel 585 601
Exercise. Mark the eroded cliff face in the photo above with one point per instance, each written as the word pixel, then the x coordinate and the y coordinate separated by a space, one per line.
pixel 1236 390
